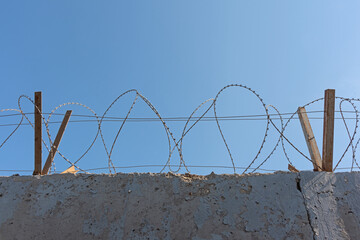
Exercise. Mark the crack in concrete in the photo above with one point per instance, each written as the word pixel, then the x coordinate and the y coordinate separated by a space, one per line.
pixel 298 186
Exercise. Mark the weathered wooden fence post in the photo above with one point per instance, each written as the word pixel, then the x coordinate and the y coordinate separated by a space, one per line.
pixel 56 143
pixel 38 133
pixel 310 139
pixel 328 134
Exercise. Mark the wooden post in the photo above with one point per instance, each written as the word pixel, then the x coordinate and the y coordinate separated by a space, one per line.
pixel 310 139
pixel 56 143
pixel 328 134
pixel 38 133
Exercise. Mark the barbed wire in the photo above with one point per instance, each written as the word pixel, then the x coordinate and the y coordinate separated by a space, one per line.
pixel 176 145
pixel 182 120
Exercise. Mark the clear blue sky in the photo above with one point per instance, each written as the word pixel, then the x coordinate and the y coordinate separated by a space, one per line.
pixel 177 54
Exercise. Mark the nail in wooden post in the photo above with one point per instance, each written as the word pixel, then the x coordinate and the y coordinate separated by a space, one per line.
pixel 38 133
pixel 328 134
pixel 310 139
pixel 56 143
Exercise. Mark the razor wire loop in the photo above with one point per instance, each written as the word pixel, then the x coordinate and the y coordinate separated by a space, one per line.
pixel 92 143
pixel 291 144
pixel 184 132
pixel 357 142
pixel 355 132
pixel 347 129
pixel 109 153
pixel 177 145
pixel 284 128
pixel 280 139
pixel 221 133
pixel 167 130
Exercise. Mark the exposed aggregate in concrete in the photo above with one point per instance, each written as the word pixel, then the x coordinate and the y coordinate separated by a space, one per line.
pixel 303 205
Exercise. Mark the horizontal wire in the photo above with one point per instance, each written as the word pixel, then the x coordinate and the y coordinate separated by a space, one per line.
pixel 169 118
pixel 174 120
pixel 185 118
pixel 190 166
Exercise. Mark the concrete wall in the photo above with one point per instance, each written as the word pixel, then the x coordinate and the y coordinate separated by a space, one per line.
pixel 302 205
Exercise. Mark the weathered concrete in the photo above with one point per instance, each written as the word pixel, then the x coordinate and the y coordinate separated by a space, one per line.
pixel 332 201
pixel 302 205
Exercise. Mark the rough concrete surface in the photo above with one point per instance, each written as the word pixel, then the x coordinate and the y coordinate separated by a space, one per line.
pixel 305 205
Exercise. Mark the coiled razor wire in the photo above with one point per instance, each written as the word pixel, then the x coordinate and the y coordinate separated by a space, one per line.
pixel 177 144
